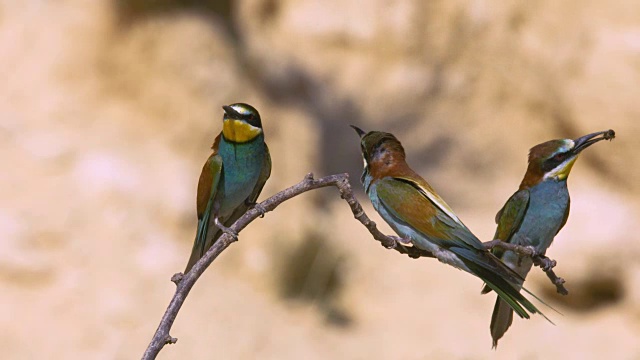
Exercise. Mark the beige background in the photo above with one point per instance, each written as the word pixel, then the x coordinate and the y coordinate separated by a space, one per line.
pixel 108 109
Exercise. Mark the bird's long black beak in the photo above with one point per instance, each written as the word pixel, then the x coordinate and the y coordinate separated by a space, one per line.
pixel 231 112
pixel 358 130
pixel 584 142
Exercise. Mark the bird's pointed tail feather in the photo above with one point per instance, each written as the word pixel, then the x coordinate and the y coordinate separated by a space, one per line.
pixel 501 320
pixel 500 278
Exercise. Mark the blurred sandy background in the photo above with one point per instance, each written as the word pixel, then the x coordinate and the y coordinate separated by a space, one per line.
pixel 108 109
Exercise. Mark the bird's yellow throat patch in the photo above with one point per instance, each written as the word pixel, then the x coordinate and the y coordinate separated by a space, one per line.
pixel 563 170
pixel 239 131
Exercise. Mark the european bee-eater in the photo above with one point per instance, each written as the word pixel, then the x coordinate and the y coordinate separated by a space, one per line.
pixel 537 211
pixel 233 176
pixel 413 209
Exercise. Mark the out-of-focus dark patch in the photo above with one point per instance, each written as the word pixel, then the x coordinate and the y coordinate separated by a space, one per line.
pixel 268 11
pixel 434 153
pixel 313 272
pixel 338 317
pixel 130 10
pixel 590 293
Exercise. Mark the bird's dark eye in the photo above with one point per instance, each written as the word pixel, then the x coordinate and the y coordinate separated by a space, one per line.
pixel 554 161
pixel 252 118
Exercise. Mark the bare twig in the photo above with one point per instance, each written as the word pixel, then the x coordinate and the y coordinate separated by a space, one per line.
pixel 547 266
pixel 184 282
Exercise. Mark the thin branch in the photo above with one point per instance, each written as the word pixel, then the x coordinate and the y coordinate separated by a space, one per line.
pixel 547 266
pixel 184 282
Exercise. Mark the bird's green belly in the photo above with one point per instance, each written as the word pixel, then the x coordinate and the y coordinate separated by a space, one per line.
pixel 241 167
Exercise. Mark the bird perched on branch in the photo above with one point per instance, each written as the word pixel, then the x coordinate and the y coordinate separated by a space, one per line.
pixel 413 209
pixel 232 178
pixel 535 213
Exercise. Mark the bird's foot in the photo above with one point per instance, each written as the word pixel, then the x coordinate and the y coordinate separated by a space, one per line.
pixel 526 251
pixel 402 241
pixel 259 208
pixel 225 229
pixel 530 251
pixel 522 250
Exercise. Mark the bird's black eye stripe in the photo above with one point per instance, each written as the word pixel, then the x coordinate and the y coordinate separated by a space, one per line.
pixel 252 119
pixel 554 161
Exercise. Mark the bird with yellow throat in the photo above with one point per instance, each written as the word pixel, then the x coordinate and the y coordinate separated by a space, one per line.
pixel 535 213
pixel 232 178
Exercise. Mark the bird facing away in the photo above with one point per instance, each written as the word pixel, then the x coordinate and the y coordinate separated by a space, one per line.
pixel 232 178
pixel 535 213
pixel 413 210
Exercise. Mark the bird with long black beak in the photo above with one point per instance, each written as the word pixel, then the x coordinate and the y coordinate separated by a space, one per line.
pixel 535 213
pixel 232 177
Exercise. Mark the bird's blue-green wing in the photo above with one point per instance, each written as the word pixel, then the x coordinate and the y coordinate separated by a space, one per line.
pixel 510 217
pixel 265 173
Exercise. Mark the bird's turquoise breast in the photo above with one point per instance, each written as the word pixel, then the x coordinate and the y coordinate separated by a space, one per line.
pixel 548 202
pixel 241 166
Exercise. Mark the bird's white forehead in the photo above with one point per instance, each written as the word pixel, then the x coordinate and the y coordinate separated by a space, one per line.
pixel 567 144
pixel 241 109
